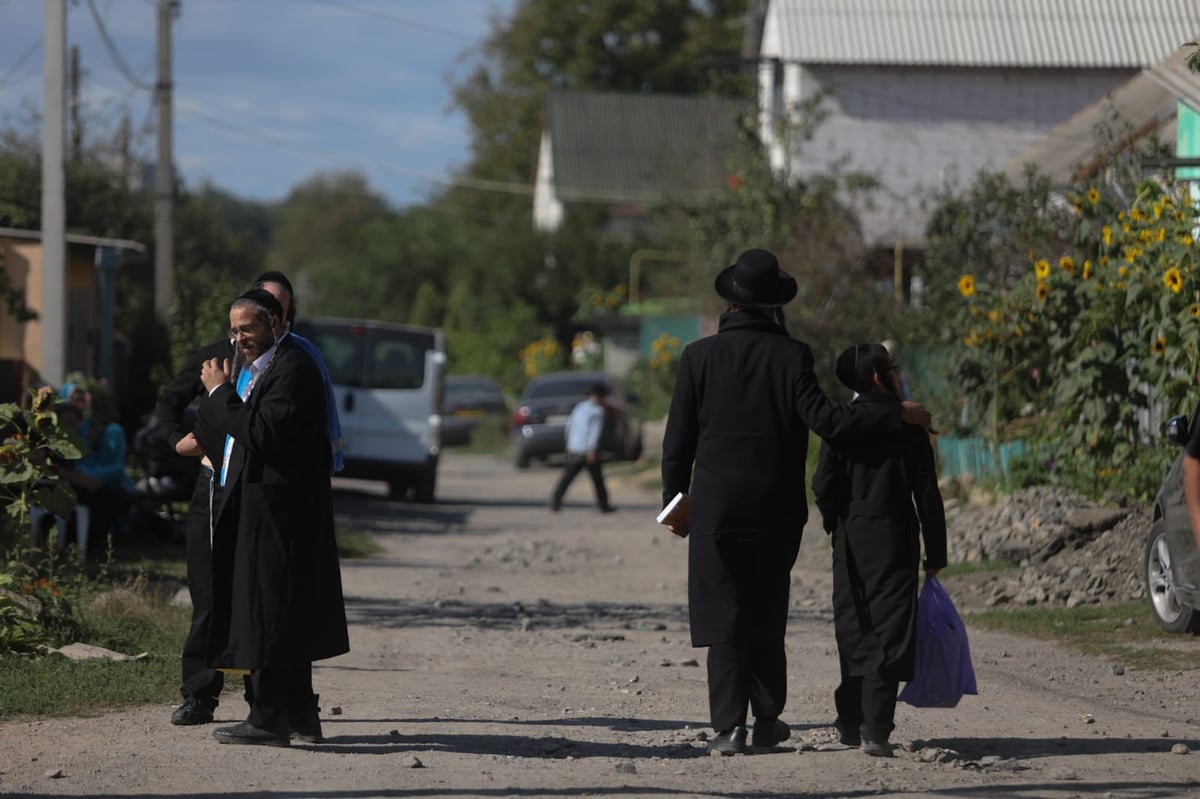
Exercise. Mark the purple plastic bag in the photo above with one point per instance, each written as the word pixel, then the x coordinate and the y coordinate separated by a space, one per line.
pixel 943 672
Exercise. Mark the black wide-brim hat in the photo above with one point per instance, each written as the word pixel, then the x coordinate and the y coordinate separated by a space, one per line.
pixel 756 281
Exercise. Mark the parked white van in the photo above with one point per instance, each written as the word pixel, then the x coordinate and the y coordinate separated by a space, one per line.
pixel 388 379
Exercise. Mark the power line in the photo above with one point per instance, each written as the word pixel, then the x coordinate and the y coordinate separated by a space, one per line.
pixel 115 53
pixel 21 62
pixel 390 17
pixel 459 182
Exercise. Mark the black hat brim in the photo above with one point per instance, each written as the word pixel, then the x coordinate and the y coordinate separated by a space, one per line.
pixel 783 293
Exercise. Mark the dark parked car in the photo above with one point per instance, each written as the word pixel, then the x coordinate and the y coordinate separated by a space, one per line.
pixel 540 420
pixel 468 401
pixel 1172 562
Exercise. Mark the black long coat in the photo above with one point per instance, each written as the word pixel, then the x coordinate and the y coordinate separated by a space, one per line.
pixel 879 498
pixel 736 441
pixel 277 590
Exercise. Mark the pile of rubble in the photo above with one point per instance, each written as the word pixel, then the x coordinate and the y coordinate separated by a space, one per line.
pixel 1069 551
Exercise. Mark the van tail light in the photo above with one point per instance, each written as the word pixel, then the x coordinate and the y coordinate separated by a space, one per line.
pixel 520 416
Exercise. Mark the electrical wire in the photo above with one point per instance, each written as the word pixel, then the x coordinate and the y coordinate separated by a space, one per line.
pixel 115 53
pixel 404 21
pixel 20 62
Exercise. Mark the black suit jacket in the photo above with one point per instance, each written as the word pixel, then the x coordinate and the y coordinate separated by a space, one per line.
pixel 180 392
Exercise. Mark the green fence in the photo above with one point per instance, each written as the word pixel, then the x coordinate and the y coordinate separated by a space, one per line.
pixel 976 456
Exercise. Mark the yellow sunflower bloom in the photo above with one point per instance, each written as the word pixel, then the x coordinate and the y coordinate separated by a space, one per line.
pixel 1067 264
pixel 1194 309
pixel 1158 346
pixel 1173 280
pixel 1042 269
pixel 1087 270
pixel 1093 195
pixel 966 285
pixel 1042 291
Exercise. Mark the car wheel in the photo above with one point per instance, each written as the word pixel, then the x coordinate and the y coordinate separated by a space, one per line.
pixel 398 489
pixel 1169 613
pixel 426 486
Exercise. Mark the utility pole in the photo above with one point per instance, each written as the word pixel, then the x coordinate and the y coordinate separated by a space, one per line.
pixel 53 313
pixel 164 173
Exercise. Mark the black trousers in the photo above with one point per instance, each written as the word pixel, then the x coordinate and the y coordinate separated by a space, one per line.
pixel 742 674
pixel 281 697
pixel 201 683
pixel 575 464
pixel 867 702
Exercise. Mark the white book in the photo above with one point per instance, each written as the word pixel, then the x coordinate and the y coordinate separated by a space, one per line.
pixel 676 510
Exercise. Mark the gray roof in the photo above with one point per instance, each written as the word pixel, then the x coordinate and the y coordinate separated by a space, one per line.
pixel 74 238
pixel 1145 105
pixel 1020 33
pixel 641 148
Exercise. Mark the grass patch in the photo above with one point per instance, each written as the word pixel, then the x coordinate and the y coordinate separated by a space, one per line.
pixel 1124 633
pixel 122 620
pixel 959 569
pixel 356 544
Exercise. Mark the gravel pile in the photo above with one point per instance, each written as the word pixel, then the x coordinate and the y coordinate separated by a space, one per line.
pixel 1069 550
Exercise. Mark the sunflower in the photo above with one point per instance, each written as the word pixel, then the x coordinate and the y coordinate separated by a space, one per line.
pixel 1087 270
pixel 1158 346
pixel 1194 309
pixel 1067 264
pixel 966 285
pixel 1093 195
pixel 1106 234
pixel 1042 269
pixel 1042 291
pixel 1173 280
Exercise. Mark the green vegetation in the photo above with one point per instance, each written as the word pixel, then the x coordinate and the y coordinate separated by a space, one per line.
pixel 1124 633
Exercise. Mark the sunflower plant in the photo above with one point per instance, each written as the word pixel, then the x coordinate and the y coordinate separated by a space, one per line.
pixel 1116 319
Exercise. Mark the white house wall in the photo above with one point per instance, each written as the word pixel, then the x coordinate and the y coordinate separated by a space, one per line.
pixel 916 129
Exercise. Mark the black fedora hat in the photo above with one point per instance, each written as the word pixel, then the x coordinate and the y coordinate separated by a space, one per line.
pixel 756 280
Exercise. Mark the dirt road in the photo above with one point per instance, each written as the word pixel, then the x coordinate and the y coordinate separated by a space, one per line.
pixel 501 650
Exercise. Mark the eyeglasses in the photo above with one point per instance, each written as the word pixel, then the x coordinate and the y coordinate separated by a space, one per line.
pixel 245 330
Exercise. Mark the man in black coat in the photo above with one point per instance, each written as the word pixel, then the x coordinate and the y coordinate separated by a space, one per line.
pixel 277 595
pixel 736 441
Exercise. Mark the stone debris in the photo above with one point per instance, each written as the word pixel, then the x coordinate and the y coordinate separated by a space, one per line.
pixel 1180 749
pixel 626 767
pixel 1069 552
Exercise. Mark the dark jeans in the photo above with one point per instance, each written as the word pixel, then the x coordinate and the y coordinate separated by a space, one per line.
pixel 201 683
pixel 745 674
pixel 575 464
pixel 867 702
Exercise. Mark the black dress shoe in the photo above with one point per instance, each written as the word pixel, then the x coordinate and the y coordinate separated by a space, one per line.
pixel 246 733
pixel 608 508
pixel 729 742
pixel 191 713
pixel 769 732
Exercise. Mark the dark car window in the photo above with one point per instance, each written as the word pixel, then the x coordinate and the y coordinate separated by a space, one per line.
pixel 342 348
pixel 468 388
pixel 397 358
pixel 559 388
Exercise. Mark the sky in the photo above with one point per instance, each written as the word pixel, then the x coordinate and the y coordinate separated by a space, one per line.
pixel 269 93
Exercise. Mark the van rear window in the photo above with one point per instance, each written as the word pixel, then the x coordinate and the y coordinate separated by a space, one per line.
pixel 371 357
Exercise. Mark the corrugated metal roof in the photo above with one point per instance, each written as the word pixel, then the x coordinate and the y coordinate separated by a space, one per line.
pixel 641 148
pixel 1146 104
pixel 982 33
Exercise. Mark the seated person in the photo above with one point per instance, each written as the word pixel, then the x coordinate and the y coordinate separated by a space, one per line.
pixel 99 477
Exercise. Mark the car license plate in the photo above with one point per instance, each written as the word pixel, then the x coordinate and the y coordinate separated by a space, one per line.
pixel 468 412
pixel 557 418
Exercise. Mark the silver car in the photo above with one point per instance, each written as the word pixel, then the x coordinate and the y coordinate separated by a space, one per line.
pixel 1172 562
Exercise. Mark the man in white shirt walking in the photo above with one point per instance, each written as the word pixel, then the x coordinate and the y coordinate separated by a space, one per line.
pixel 583 448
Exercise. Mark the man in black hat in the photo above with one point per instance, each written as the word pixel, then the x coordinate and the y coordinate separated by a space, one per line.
pixel 736 442
pixel 277 601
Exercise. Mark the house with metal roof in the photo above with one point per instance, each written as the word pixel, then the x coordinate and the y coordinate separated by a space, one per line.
pixel 630 152
pixel 922 94
pixel 1161 101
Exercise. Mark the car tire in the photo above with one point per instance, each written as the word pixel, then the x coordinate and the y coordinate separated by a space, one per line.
pixel 521 459
pixel 398 489
pixel 426 487
pixel 1168 612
